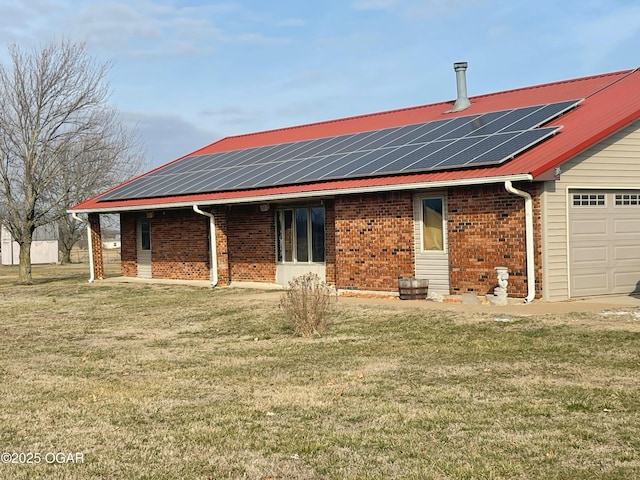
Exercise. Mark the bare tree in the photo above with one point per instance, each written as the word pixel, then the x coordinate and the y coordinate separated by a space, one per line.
pixel 55 123
pixel 90 167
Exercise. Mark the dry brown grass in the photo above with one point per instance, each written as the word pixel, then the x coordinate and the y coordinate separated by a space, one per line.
pixel 151 381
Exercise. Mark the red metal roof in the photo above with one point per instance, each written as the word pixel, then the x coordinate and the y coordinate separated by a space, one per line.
pixel 612 101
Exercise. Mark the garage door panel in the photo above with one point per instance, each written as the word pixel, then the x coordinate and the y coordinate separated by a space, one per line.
pixel 622 226
pixel 590 282
pixel 589 228
pixel 589 255
pixel 626 253
pixel 604 243
pixel 629 282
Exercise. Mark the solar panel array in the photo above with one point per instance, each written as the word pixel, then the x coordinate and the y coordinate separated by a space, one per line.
pixel 458 142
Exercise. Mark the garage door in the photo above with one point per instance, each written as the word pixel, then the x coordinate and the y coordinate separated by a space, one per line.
pixel 604 242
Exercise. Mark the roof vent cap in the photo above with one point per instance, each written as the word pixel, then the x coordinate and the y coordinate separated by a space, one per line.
pixel 462 102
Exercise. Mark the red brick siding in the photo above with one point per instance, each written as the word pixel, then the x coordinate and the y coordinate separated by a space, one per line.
pixel 251 244
pixel 222 248
pixel 96 246
pixel 368 241
pixel 128 252
pixel 179 245
pixel 330 243
pixel 374 240
pixel 485 230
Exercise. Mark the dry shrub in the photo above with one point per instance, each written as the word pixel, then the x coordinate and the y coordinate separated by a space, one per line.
pixel 307 303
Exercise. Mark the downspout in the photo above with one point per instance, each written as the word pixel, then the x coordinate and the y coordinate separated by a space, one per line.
pixel 212 237
pixel 528 227
pixel 89 244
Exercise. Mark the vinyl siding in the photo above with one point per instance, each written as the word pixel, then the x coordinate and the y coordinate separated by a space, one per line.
pixel 613 163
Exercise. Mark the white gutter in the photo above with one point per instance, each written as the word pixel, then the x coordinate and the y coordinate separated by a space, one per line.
pixel 315 193
pixel 212 237
pixel 528 226
pixel 89 244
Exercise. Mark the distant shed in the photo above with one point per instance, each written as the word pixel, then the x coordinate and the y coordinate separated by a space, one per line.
pixel 44 248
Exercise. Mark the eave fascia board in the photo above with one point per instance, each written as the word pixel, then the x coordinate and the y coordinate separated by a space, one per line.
pixel 522 177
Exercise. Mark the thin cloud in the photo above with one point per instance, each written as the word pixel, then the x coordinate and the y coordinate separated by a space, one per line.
pixel 292 22
pixel 375 4
pixel 21 20
pixel 142 27
pixel 231 115
pixel 438 8
pixel 417 9
pixel 167 137
pixel 114 24
pixel 612 28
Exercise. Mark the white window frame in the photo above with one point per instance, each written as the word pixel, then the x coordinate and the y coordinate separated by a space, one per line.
pixel 586 197
pixel 632 200
pixel 445 245
pixel 294 249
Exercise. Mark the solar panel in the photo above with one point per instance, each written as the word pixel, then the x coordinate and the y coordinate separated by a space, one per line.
pixel 514 145
pixel 312 169
pixel 317 148
pixel 419 131
pixel 340 142
pixel 408 156
pixel 458 142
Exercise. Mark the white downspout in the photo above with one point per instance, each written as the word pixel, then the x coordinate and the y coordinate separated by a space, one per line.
pixel 212 236
pixel 89 244
pixel 528 226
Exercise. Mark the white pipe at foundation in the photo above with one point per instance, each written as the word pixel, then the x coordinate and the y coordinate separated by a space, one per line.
pixel 212 236
pixel 89 244
pixel 528 226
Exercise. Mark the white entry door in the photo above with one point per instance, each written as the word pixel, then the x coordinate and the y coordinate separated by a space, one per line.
pixel 144 247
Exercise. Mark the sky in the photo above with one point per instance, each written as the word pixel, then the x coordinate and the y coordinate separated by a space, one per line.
pixel 187 73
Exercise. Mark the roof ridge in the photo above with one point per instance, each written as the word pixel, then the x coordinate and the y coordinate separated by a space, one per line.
pixel 415 107
pixel 557 82
pixel 334 120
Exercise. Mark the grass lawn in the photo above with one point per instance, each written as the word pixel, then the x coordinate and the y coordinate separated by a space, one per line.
pixel 172 382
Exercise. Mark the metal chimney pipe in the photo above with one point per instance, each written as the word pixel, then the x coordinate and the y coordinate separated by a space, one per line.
pixel 462 101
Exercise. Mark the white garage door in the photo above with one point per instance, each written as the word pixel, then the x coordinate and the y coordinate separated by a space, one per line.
pixel 604 242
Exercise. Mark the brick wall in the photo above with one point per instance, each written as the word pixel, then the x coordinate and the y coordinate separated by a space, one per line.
pixel 180 245
pixel 486 229
pixel 128 253
pixel 368 240
pixel 373 240
pixel 251 244
pixel 222 249
pixel 96 246
pixel 330 243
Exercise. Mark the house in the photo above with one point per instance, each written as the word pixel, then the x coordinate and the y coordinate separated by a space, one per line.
pixel 543 180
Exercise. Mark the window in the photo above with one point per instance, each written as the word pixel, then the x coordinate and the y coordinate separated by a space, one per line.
pixel 317 234
pixel 627 199
pixel 588 199
pixel 300 235
pixel 433 224
pixel 145 234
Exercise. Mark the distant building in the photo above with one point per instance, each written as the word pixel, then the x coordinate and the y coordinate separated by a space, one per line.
pixel 111 244
pixel 44 248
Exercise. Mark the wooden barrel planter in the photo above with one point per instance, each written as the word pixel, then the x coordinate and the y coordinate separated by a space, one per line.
pixel 413 288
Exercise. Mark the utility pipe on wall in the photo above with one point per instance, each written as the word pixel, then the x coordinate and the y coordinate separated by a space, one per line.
pixel 89 244
pixel 528 227
pixel 212 236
